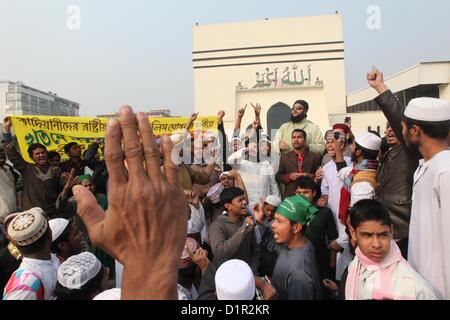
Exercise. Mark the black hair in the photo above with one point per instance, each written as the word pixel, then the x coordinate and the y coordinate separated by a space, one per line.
pixel 52 154
pixel 384 145
pixel 187 275
pixel 229 194
pixel 35 146
pixel 86 291
pixel 367 153
pixel 369 210
pixel 435 130
pixel 64 237
pixel 351 138
pixel 35 246
pixel 304 226
pixel 375 133
pixel 299 130
pixel 305 182
pixel 69 145
pixel 303 103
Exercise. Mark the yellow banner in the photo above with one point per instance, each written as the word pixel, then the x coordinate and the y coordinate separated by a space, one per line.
pixel 55 132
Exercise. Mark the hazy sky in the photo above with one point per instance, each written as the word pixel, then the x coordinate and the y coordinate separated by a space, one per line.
pixel 140 52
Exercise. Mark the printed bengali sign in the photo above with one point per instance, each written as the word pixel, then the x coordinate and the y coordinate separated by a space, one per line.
pixel 55 132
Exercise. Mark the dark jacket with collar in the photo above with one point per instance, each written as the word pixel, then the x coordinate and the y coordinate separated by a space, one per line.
pixel 394 189
pixel 395 173
pixel 289 164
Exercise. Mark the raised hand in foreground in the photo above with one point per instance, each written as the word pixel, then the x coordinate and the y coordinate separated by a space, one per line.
pixel 145 225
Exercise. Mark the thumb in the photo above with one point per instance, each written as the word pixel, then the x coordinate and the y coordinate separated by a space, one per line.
pixel 90 212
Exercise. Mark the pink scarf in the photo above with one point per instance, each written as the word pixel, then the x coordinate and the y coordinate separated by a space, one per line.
pixel 384 287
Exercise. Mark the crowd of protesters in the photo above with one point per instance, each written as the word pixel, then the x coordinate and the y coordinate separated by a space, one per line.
pixel 295 214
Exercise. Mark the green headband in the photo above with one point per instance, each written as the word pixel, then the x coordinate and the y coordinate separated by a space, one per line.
pixel 298 209
pixel 84 177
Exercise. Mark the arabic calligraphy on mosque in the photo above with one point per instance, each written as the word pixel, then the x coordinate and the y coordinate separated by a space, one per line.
pixel 289 76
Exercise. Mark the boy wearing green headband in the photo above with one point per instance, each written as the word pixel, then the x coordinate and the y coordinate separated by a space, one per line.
pixel 295 275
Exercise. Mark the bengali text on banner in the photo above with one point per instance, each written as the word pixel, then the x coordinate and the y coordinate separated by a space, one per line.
pixel 54 132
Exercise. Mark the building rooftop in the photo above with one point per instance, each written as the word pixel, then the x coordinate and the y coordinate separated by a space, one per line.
pixel 419 75
pixel 48 93
pixel 155 113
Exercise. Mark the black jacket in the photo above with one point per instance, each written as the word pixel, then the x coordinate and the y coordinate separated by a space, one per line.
pixel 100 174
pixel 395 173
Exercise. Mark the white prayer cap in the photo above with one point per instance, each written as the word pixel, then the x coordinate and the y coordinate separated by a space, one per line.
pixel 78 270
pixel 190 246
pixel 111 294
pixel 225 173
pixel 368 140
pixel 57 226
pixel 234 281
pixel 428 109
pixel 215 191
pixel 273 200
pixel 208 135
pixel 27 227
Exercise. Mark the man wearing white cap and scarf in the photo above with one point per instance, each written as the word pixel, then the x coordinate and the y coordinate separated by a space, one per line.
pixel 425 127
pixel 359 180
pixel 36 277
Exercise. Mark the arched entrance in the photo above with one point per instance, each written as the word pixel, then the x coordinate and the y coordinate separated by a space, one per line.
pixel 278 114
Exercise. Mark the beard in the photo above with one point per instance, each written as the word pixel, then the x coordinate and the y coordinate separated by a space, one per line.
pixel 299 118
pixel 414 151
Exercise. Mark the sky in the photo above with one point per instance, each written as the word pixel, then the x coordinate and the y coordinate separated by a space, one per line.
pixel 139 52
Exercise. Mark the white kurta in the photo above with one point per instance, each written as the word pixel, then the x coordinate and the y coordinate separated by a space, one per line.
pixel 429 229
pixel 186 294
pixel 406 283
pixel 258 178
pixel 331 186
pixel 197 223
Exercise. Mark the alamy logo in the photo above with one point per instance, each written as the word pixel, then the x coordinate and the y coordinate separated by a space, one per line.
pixel 74 18
pixel 374 18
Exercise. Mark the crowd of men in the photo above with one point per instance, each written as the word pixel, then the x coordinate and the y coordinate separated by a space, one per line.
pixel 305 215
